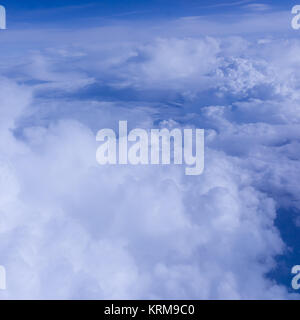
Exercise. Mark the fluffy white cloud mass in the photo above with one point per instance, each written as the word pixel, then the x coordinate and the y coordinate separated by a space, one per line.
pixel 70 228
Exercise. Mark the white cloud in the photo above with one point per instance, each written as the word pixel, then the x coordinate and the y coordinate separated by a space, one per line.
pixel 72 229
pixel 258 6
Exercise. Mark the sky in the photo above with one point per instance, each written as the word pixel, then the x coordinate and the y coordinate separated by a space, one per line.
pixel 72 229
pixel 70 13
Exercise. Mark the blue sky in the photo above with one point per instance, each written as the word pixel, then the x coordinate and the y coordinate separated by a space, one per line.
pixel 68 12
pixel 71 68
pixel 155 5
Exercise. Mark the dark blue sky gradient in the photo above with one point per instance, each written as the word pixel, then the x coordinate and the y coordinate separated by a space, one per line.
pixel 67 11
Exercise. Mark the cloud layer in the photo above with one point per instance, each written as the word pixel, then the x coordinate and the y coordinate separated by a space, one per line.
pixel 72 229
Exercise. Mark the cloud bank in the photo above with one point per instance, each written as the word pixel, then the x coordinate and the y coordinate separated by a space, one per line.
pixel 71 229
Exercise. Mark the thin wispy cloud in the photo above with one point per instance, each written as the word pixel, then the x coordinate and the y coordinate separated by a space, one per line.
pixel 226 4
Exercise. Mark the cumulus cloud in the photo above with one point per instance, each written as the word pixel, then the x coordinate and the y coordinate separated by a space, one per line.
pixel 70 228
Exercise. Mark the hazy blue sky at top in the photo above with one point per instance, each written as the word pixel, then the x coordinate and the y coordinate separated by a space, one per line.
pixel 70 12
